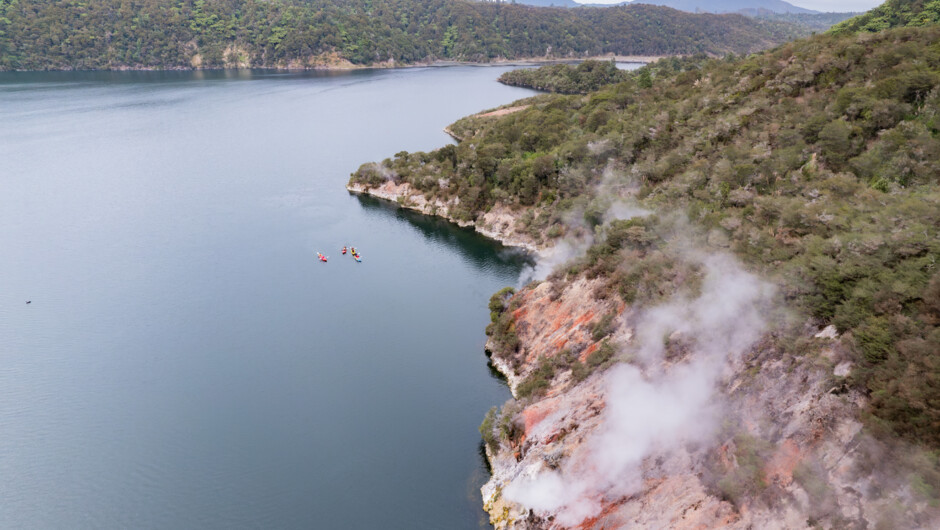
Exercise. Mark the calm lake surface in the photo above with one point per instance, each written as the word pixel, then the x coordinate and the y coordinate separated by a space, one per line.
pixel 185 361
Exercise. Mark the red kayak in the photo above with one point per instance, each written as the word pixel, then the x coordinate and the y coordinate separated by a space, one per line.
pixel 344 250
pixel 322 257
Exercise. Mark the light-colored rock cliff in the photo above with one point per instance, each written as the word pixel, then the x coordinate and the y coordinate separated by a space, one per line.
pixel 499 223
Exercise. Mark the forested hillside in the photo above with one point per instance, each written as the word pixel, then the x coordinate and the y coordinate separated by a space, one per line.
pixel 69 34
pixel 728 6
pixel 817 22
pixel 817 163
pixel 892 14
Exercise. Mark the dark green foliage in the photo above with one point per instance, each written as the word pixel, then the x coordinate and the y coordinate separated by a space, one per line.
pixel 567 79
pixel 603 327
pixel 601 355
pixel 892 14
pixel 501 329
pixel 68 34
pixel 488 429
pixel 874 339
pixel 500 425
pixel 498 301
pixel 579 371
pixel 746 480
pixel 538 381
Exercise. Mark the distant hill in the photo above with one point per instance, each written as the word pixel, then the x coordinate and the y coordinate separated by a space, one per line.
pixel 108 34
pixel 727 6
pixel 813 21
pixel 744 7
pixel 547 3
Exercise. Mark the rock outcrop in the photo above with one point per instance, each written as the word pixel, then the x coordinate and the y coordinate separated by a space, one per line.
pixel 549 322
pixel 499 223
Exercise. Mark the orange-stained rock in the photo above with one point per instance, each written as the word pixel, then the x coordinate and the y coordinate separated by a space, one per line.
pixel 588 351
pixel 780 468
pixel 546 327
pixel 785 405
pixel 536 413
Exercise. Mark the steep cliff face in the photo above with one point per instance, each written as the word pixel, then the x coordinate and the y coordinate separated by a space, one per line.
pixel 786 449
pixel 552 318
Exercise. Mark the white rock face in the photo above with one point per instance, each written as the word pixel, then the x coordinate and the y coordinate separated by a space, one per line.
pixel 842 369
pixel 498 223
pixel 828 332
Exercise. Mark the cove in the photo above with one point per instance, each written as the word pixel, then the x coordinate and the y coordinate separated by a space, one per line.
pixel 185 361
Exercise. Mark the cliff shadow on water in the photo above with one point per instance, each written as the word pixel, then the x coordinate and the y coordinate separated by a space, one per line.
pixel 482 252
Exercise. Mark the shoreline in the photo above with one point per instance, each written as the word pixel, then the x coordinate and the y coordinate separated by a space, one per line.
pixel 387 65
pixel 416 202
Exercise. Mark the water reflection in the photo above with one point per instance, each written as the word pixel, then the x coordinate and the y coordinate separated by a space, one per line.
pixel 31 81
pixel 494 372
pixel 481 251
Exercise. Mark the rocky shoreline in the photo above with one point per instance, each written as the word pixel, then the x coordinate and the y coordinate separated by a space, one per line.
pixel 789 453
pixel 499 223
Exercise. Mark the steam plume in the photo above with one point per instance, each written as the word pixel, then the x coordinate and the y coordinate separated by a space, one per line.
pixel 574 246
pixel 657 409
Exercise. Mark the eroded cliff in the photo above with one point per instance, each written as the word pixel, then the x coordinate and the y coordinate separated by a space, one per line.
pixel 772 440
pixel 500 222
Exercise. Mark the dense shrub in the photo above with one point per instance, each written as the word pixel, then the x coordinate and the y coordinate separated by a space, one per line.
pixel 582 78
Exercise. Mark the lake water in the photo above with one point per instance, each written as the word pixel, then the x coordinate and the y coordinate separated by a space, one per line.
pixel 185 361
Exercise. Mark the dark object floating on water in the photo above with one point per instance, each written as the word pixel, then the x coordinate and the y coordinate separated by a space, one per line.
pixel 29 301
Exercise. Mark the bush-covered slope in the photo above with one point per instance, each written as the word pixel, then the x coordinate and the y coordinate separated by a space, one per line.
pixel 893 14
pixel 62 34
pixel 817 163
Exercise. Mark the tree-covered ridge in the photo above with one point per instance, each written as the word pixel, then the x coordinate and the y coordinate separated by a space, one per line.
pixel 893 14
pixel 582 78
pixel 66 34
pixel 815 21
pixel 818 163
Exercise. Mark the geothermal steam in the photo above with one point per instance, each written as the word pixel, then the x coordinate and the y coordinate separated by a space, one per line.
pixel 656 410
pixel 575 246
